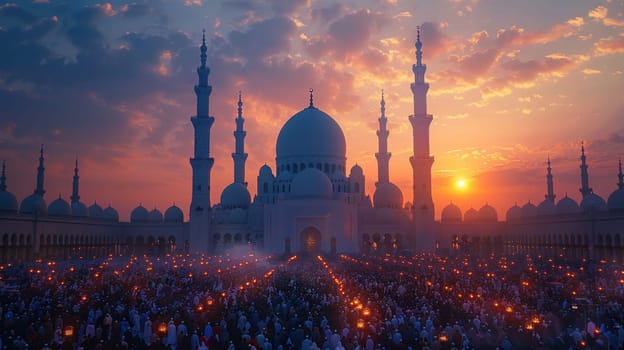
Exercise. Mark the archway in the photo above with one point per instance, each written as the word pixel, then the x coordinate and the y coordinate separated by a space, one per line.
pixel 310 241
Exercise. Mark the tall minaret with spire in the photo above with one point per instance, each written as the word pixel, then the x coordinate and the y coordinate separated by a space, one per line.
pixel 383 156
pixel 239 156
pixel 421 160
pixel 585 189
pixel 40 175
pixel 75 197
pixel 550 195
pixel 201 163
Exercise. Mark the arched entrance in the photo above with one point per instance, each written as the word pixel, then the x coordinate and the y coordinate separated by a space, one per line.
pixel 310 241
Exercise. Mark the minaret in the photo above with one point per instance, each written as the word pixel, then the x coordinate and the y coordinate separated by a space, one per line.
pixel 40 175
pixel 201 163
pixel 3 185
pixel 549 183
pixel 620 176
pixel 75 197
pixel 585 189
pixel 239 155
pixel 383 156
pixel 421 160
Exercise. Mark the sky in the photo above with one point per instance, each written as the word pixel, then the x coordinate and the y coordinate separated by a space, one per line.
pixel 511 84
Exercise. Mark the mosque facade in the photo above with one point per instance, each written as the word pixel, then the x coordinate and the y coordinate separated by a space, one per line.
pixel 309 203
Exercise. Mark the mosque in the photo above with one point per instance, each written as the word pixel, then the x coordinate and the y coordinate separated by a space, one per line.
pixel 308 203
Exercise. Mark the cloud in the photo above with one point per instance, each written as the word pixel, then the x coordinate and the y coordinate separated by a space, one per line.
pixel 264 38
pixel 600 14
pixel 591 71
pixel 516 36
pixel 609 45
pixel 347 35
pixel 329 13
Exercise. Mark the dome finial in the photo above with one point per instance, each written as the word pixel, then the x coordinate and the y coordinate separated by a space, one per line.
pixel 203 48
pixel 3 177
pixel 311 98
pixel 418 48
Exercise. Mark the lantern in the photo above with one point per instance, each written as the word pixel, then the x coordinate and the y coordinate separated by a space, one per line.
pixel 162 327
pixel 69 331
pixel 360 323
pixel 443 337
pixel 366 312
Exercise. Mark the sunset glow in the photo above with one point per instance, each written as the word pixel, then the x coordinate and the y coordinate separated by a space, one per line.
pixel 510 85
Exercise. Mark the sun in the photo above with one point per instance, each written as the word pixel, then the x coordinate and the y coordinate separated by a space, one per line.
pixel 460 183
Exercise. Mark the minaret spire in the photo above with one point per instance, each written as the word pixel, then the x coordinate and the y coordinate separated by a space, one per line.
pixel 3 185
pixel 620 176
pixel 383 156
pixel 239 156
pixel 421 161
pixel 585 189
pixel 549 183
pixel 75 197
pixel 40 174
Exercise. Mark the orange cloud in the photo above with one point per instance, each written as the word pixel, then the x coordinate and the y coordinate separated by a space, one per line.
pixel 609 45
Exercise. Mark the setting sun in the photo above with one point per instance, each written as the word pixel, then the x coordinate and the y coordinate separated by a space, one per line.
pixel 460 183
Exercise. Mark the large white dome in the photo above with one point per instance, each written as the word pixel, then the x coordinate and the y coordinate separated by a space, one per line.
pixel 139 214
pixel 95 211
pixel 388 195
pixel 235 195
pixel 311 137
pixel 546 207
pixel 78 209
pixel 311 183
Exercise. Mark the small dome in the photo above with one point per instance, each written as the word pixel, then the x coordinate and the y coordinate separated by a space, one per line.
pixel 471 215
pixel 514 213
pixel 34 204
pixel 139 214
pixel 235 195
pixel 356 170
pixel 155 216
pixel 111 214
pixel 79 209
pixel 593 202
pixel 529 210
pixel 451 213
pixel 173 214
pixel 487 213
pixel 265 171
pixel 311 183
pixel 546 208
pixel 8 202
pixel 567 205
pixel 95 211
pixel 616 200
pixel 59 207
pixel 388 195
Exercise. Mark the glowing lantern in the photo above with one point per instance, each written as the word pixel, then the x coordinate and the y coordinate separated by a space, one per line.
pixel 443 337
pixel 209 302
pixel 360 323
pixel 509 309
pixel 68 331
pixel 366 312
pixel 162 327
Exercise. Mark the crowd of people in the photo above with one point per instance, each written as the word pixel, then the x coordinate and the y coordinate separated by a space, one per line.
pixel 246 301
